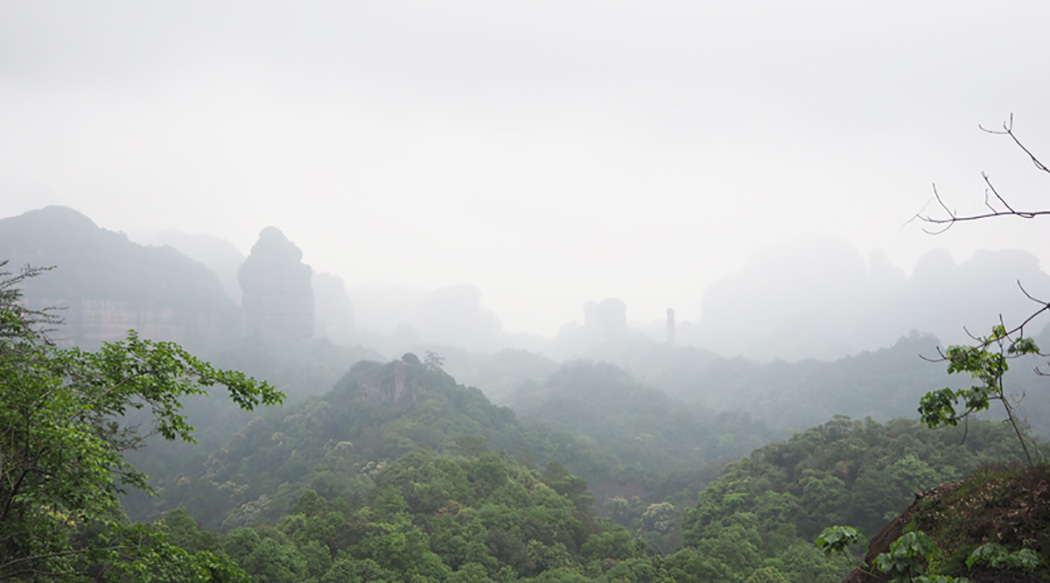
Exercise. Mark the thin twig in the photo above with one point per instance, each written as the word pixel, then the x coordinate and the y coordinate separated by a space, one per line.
pixel 951 217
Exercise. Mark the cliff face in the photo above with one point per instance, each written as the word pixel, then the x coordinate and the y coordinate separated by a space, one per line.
pixel 90 322
pixel 392 387
pixel 277 289
pixel 102 320
pixel 106 284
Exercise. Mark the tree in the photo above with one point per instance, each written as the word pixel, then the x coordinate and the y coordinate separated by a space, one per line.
pixel 987 359
pixel 987 362
pixel 62 434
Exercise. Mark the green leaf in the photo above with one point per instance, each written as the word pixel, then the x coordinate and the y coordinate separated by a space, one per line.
pixel 62 443
pixel 838 539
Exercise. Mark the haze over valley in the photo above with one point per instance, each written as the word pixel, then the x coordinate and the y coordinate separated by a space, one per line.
pixel 548 153
pixel 635 434
pixel 524 292
pixel 810 298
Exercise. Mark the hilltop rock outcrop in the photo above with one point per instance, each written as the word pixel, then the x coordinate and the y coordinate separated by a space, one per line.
pixel 1008 507
pixel 277 288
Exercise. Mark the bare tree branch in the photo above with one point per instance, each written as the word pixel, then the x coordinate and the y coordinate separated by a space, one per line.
pixel 997 204
pixel 1008 130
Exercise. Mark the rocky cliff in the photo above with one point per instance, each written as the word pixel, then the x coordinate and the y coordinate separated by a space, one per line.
pixel 106 284
pixel 277 288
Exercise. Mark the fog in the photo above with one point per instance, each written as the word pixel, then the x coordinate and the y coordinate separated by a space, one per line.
pixel 531 156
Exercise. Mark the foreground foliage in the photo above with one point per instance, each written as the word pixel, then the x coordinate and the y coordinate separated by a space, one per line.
pixel 987 363
pixel 992 526
pixel 61 440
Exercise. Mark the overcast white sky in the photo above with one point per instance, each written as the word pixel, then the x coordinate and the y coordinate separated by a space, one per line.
pixel 550 152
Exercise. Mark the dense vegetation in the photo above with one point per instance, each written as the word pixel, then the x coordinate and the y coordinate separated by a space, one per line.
pixel 405 436
pixel 482 516
pixel 431 518
pixel 375 414
pixel 651 463
pixel 848 472
pixel 61 445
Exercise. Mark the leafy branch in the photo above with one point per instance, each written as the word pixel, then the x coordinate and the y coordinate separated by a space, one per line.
pixel 906 561
pixel 61 444
pixel 986 360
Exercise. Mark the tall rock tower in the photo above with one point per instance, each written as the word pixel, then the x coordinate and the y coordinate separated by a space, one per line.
pixel 278 293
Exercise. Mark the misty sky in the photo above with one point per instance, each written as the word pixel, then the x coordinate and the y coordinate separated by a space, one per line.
pixel 549 152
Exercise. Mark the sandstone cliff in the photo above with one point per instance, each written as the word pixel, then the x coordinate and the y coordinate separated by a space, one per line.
pixel 106 284
pixel 277 288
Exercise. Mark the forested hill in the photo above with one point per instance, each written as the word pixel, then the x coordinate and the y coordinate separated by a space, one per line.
pixel 642 427
pixel 765 510
pixel 884 384
pixel 624 438
pixel 849 472
pixel 466 514
pixel 335 443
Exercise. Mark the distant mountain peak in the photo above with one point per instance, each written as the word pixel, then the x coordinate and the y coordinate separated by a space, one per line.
pixel 57 217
